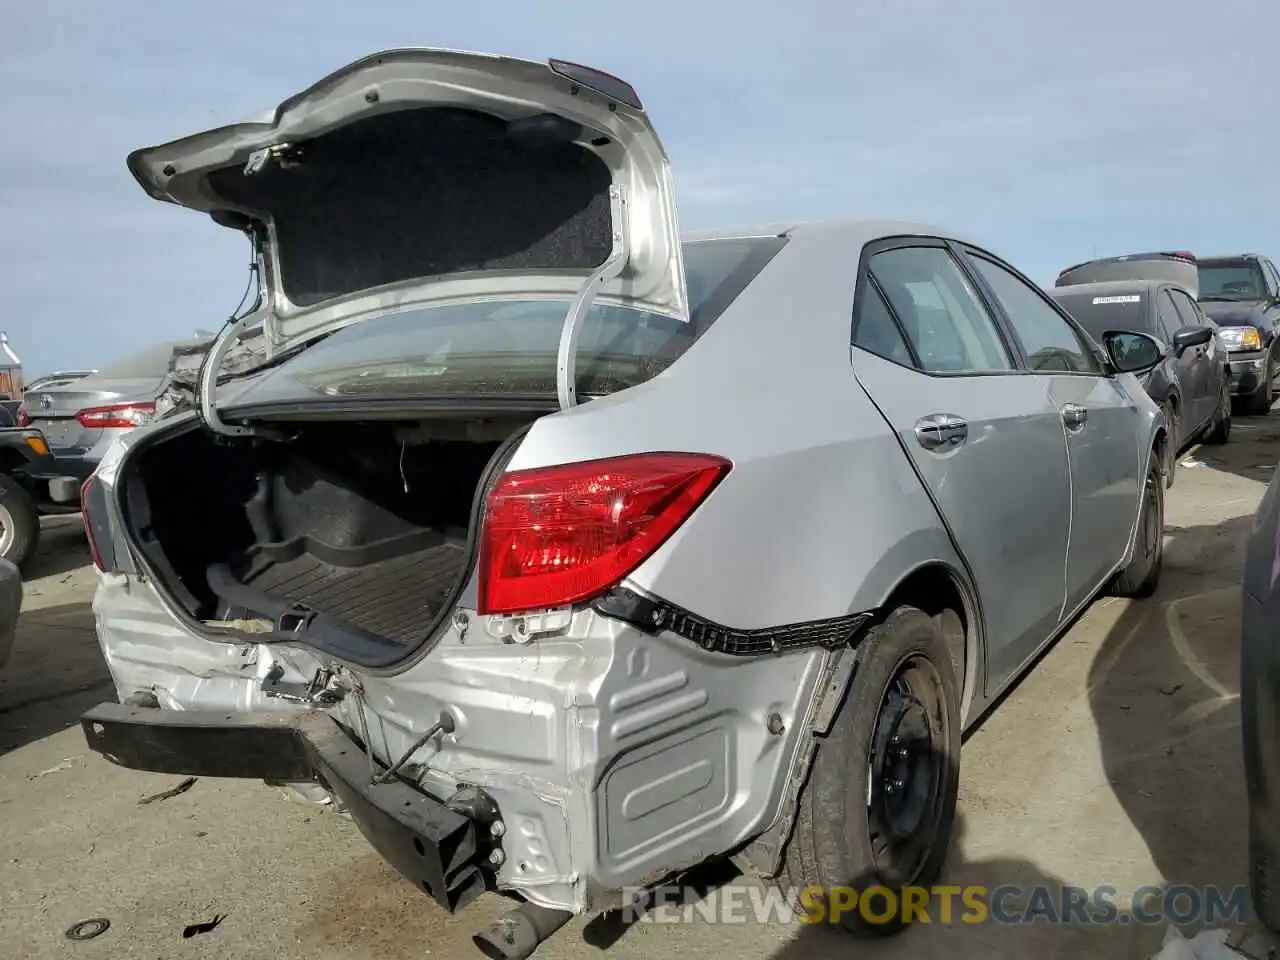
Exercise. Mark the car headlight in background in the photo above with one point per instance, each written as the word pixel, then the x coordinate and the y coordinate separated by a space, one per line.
pixel 1241 338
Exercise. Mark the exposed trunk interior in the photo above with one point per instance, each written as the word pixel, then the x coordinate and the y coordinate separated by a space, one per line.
pixel 365 523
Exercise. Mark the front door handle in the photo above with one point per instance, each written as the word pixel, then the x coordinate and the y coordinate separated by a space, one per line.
pixel 1074 416
pixel 942 431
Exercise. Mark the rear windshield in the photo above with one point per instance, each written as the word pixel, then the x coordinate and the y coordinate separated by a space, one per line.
pixel 1138 266
pixel 1230 280
pixel 509 347
pixel 1100 313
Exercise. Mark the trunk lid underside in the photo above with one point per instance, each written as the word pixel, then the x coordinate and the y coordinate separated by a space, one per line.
pixel 418 176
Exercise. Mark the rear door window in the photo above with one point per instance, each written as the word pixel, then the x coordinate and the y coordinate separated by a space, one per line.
pixel 939 311
pixel 1189 314
pixel 1167 316
pixel 875 330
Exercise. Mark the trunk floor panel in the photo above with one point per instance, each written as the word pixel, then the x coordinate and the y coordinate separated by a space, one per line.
pixel 393 598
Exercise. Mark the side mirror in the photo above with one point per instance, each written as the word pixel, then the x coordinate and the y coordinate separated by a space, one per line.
pixel 1133 352
pixel 1189 337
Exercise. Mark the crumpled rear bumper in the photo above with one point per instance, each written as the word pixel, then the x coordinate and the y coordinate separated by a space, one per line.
pixel 438 845
pixel 614 755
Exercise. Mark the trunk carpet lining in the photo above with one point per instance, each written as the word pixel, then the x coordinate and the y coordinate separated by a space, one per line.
pixel 393 598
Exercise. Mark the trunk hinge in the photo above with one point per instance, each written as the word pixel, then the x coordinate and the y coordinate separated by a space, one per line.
pixel 207 388
pixel 566 359
pixel 228 336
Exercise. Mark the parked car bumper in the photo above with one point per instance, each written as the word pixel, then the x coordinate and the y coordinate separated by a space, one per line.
pixel 57 478
pixel 1247 372
pixel 611 755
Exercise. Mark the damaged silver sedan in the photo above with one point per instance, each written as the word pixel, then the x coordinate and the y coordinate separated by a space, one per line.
pixel 566 554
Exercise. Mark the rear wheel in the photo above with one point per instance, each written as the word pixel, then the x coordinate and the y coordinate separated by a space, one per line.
pixel 880 803
pixel 19 522
pixel 1141 577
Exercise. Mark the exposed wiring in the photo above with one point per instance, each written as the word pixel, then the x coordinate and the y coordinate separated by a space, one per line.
pixel 254 287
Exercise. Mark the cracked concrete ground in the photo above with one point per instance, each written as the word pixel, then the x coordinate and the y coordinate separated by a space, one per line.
pixel 1115 762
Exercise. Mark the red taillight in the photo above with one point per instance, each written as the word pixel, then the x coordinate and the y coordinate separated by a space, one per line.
pixel 557 535
pixel 24 418
pixel 86 490
pixel 116 415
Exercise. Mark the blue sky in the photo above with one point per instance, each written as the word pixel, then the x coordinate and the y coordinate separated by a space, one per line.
pixel 1052 133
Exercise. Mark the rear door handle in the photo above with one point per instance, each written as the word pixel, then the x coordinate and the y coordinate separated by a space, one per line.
pixel 1074 416
pixel 941 431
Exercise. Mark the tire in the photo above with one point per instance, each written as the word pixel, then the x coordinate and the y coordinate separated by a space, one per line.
pixel 1170 452
pixel 1220 431
pixel 1142 576
pixel 904 669
pixel 1264 875
pixel 19 523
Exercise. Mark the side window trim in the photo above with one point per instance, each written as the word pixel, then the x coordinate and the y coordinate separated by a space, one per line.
pixel 1164 295
pixel 908 241
pixel 966 251
pixel 1187 308
pixel 869 286
pixel 874 284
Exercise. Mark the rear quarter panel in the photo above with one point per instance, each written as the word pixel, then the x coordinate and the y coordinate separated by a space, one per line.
pixel 821 514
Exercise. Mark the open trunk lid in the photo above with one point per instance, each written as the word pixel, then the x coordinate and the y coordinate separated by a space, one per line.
pixel 422 175
pixel 1179 268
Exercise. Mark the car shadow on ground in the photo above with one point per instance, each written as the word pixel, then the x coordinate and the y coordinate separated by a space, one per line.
pixel 1023 917
pixel 55 672
pixel 1252 452
pixel 1163 692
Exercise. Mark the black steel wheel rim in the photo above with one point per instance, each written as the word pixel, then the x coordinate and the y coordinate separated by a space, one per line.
pixel 907 775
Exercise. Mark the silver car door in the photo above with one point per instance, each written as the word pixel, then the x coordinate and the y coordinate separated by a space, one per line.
pixel 1096 416
pixel 983 436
